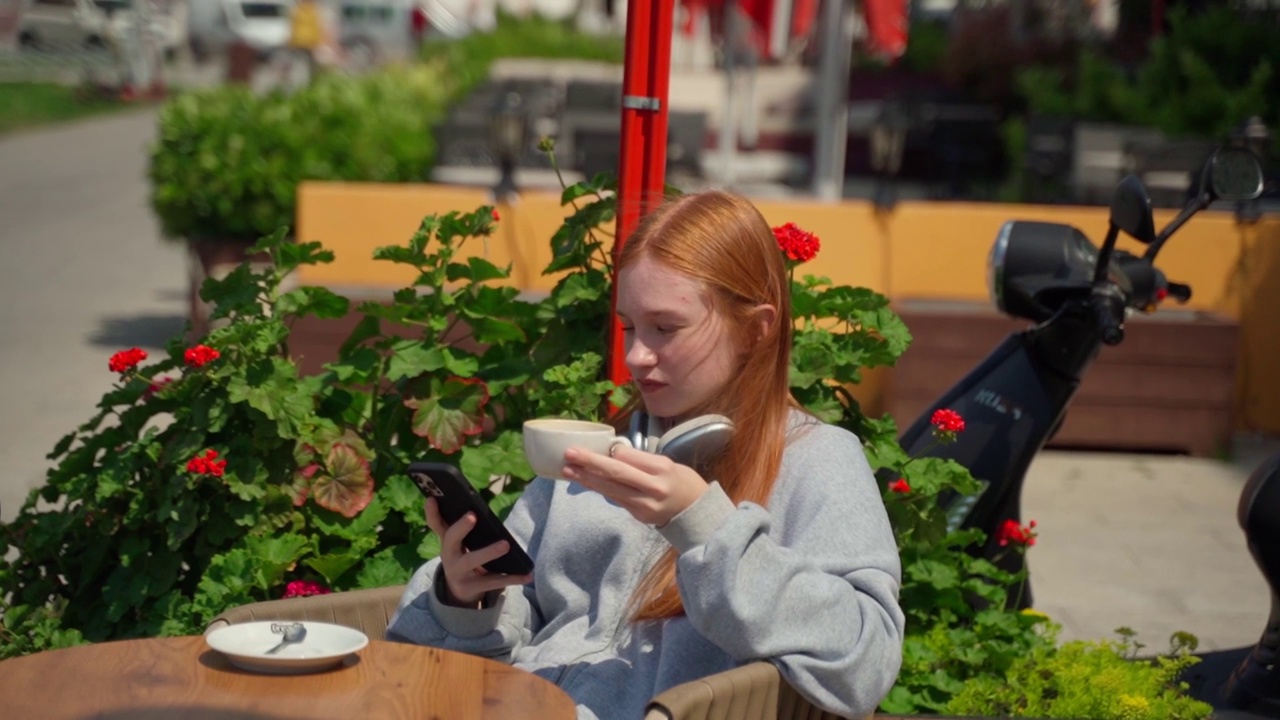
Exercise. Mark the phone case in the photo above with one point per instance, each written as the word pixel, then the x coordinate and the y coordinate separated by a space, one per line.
pixel 456 498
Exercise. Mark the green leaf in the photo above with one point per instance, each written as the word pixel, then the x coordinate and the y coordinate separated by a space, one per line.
pixel 332 566
pixel 502 503
pixel 225 583
pixel 356 366
pixel 392 566
pixel 293 255
pixel 318 301
pixel 429 548
pixel 278 549
pixel 402 496
pixel 935 574
pixel 476 270
pixel 238 292
pixel 574 290
pixel 272 387
pixel 899 701
pixel 275 241
pixel 368 327
pixel 411 358
pixel 504 455
pixel 490 331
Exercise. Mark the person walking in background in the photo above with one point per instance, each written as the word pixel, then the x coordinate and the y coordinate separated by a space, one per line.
pixel 307 34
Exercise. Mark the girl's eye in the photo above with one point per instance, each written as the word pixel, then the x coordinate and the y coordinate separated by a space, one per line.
pixel 665 330
pixel 627 329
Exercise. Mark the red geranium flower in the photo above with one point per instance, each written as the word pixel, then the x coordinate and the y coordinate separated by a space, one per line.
pixel 1011 533
pixel 496 217
pixel 207 464
pixel 200 355
pixel 126 360
pixel 947 421
pixel 303 588
pixel 797 244
pixel 156 386
pixel 900 486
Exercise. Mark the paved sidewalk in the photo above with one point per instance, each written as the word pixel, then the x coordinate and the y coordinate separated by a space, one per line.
pixel 85 273
pixel 1149 542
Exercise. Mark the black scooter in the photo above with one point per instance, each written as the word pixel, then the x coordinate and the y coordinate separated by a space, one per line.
pixel 1013 402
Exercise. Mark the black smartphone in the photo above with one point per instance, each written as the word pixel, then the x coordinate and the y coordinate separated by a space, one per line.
pixel 455 498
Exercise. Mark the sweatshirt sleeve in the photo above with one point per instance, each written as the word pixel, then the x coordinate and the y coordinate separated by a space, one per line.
pixel 507 620
pixel 811 584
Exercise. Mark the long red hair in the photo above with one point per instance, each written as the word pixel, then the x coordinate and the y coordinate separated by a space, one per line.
pixel 722 240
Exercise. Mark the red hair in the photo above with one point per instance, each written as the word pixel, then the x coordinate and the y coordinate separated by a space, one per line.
pixel 721 240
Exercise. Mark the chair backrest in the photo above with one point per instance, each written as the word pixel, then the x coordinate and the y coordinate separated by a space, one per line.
pixel 755 691
pixel 368 611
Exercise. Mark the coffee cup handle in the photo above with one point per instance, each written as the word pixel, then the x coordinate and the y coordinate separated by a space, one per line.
pixel 617 443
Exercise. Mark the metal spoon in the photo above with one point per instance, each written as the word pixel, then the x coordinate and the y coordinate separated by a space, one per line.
pixel 292 634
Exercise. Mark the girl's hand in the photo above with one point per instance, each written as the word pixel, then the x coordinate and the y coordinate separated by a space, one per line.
pixel 466 580
pixel 653 488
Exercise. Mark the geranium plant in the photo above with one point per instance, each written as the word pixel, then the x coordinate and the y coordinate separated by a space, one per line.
pixel 217 474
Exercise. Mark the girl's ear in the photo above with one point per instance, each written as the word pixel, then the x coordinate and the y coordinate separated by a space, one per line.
pixel 765 316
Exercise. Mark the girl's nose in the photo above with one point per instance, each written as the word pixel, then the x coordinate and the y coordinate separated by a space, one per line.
pixel 640 356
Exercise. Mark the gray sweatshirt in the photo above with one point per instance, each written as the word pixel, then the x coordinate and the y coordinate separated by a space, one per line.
pixel 810 584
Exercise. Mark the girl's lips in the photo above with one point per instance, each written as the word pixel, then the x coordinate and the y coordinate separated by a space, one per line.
pixel 651 385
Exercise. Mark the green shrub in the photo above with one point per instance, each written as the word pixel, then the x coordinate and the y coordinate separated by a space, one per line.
pixel 927 44
pixel 1209 73
pixel 1097 680
pixel 227 162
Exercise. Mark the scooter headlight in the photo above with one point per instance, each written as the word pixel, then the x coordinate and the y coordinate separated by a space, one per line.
pixel 1032 265
pixel 996 268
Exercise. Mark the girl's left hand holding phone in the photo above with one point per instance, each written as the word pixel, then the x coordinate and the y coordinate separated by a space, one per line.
pixel 466 580
pixel 653 488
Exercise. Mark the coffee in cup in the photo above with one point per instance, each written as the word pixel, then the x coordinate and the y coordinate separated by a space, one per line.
pixel 546 439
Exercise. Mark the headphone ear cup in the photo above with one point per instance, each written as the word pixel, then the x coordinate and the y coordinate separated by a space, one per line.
pixel 637 432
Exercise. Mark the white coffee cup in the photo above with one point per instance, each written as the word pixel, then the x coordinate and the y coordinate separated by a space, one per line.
pixel 546 439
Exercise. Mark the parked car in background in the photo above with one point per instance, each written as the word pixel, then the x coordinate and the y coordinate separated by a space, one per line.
pixel 80 24
pixel 370 31
pixel 458 18
pixel 215 25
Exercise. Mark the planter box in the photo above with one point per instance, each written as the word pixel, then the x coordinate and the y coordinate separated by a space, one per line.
pixel 1169 387
pixel 214 258
pixel 314 342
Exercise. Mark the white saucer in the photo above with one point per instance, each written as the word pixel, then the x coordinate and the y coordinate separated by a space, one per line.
pixel 325 646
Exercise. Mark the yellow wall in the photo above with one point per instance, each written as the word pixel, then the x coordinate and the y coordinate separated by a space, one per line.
pixel 920 250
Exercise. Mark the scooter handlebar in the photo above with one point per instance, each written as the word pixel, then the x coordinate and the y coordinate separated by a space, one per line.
pixel 1179 291
pixel 1108 311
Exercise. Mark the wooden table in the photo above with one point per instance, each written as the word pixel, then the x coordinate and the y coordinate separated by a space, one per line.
pixel 183 678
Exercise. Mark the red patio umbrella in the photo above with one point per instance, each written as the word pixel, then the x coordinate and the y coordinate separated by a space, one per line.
pixel 642 153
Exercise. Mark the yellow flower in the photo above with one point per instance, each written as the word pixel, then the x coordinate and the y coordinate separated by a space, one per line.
pixel 1132 707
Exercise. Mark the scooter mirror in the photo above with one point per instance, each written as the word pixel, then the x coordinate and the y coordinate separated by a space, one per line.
pixel 1235 175
pixel 1131 210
